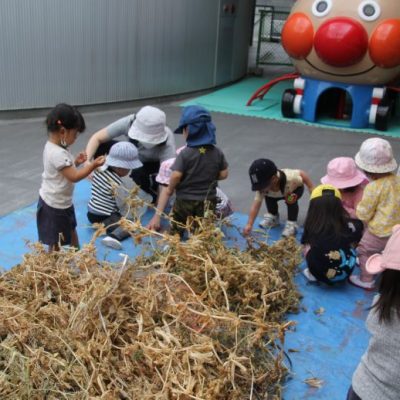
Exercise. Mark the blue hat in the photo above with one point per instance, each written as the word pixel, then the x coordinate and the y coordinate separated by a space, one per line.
pixel 201 131
pixel 123 155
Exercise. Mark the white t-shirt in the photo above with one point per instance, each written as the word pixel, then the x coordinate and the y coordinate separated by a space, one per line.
pixel 56 190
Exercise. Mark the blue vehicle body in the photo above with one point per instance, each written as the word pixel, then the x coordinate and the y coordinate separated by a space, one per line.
pixel 361 97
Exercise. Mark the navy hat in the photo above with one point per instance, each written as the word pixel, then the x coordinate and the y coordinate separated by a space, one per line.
pixel 261 171
pixel 201 130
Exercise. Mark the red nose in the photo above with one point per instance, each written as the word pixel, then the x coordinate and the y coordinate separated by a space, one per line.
pixel 341 42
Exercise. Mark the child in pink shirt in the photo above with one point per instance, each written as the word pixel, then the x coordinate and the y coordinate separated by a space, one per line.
pixel 343 174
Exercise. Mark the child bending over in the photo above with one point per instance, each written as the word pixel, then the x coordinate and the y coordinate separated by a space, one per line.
pixel 274 185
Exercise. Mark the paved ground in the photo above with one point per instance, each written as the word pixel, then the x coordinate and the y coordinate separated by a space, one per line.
pixel 243 139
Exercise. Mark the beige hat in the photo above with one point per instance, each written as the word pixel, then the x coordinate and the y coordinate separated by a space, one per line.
pixel 149 126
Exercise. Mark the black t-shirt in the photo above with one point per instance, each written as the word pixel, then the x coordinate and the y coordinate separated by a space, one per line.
pixel 200 167
pixel 332 258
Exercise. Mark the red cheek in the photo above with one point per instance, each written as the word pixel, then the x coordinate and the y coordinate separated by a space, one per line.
pixel 384 45
pixel 297 36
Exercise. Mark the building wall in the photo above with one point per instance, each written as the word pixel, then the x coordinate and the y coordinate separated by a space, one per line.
pixel 100 51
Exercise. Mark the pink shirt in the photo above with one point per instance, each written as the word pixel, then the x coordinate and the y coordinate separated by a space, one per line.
pixel 351 199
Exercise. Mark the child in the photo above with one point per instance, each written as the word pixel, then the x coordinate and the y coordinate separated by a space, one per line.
pixel 330 237
pixel 378 375
pixel 103 207
pixel 197 168
pixel 379 207
pixel 56 221
pixel 274 185
pixel 343 173
pixel 223 207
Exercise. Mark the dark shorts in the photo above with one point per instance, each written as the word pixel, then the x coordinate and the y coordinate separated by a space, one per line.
pixel 55 225
pixel 183 209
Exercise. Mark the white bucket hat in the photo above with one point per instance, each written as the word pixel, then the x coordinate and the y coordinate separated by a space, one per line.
pixel 123 155
pixel 376 156
pixel 149 126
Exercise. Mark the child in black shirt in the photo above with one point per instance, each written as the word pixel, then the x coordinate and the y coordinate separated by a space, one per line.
pixel 329 237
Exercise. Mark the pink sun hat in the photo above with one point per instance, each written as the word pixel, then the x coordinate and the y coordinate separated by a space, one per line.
pixel 390 257
pixel 342 172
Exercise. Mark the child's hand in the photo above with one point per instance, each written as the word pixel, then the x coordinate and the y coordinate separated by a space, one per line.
pixel 154 223
pixel 80 158
pixel 247 229
pixel 99 161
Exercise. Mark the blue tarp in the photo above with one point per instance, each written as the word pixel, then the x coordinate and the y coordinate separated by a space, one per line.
pixel 326 343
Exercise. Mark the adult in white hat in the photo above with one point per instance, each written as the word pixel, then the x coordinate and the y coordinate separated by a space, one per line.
pixel 147 130
pixel 377 376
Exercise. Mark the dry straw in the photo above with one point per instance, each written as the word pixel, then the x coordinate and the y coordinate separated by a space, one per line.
pixel 197 320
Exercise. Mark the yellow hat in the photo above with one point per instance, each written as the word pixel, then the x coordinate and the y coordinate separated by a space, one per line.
pixel 323 190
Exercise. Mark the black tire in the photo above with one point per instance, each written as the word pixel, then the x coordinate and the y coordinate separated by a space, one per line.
pixel 287 103
pixel 383 114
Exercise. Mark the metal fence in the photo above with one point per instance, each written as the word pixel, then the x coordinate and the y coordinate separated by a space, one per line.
pixel 269 49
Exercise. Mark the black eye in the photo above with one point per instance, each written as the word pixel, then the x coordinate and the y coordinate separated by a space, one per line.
pixel 321 7
pixel 369 10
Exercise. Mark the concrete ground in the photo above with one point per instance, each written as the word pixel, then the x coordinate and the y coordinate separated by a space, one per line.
pixel 242 139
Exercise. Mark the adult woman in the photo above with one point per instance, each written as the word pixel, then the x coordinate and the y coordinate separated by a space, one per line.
pixel 147 130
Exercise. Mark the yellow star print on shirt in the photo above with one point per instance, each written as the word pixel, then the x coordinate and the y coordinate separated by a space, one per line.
pixel 202 150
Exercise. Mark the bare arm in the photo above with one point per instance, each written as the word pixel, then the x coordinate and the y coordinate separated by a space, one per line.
pixel 75 175
pixel 223 174
pixel 307 181
pixel 162 202
pixel 176 177
pixel 254 210
pixel 95 141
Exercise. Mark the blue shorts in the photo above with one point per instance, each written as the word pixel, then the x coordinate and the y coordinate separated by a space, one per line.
pixel 55 225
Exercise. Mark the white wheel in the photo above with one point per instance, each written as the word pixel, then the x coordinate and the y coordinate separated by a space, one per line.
pixel 372 113
pixel 297 104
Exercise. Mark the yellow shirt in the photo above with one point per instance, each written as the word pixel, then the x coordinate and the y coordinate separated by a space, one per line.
pixel 380 205
pixel 293 181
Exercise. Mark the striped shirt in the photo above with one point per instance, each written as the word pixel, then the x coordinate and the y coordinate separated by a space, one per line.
pixel 102 200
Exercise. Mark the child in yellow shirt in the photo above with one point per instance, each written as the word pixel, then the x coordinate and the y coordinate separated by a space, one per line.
pixel 379 207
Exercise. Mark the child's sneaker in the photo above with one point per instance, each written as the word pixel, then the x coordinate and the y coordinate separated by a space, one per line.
pixel 356 281
pixel 309 275
pixel 111 242
pixel 290 229
pixel 269 221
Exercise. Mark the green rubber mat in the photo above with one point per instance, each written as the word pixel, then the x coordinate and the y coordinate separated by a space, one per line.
pixel 232 100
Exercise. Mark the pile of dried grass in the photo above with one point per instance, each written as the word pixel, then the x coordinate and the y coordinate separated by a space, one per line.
pixel 195 321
